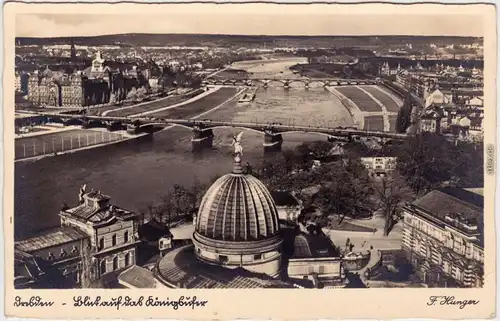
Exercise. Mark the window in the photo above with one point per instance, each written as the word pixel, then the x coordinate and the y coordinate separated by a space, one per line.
pixel 125 237
pixel 74 250
pixel 257 257
pixel 103 267
pixel 127 259
pixel 63 253
pixel 113 240
pixel 429 252
pixel 51 256
pixel 223 259
pixel 115 263
pixel 101 243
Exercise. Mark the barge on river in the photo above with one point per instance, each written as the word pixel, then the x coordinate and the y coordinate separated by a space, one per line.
pixel 247 98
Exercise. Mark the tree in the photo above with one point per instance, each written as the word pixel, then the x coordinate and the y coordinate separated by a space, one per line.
pixel 428 161
pixel 403 120
pixel 273 171
pixel 391 193
pixel 132 94
pixel 346 192
pixel 182 200
pixel 88 265
pixel 302 157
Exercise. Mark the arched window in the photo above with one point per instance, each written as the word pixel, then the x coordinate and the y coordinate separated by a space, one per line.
pixel 127 259
pixel 103 267
pixel 101 243
pixel 115 263
pixel 113 240
pixel 125 237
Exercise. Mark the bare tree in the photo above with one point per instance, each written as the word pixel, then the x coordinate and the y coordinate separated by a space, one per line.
pixel 391 192
pixel 88 274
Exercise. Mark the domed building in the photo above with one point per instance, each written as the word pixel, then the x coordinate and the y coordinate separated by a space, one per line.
pixel 239 242
pixel 237 225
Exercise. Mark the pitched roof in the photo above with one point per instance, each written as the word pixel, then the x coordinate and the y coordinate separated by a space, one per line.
pixel 282 198
pixel 50 238
pixel 153 230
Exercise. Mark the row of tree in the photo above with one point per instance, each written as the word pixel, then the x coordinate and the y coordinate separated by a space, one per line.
pixel 178 203
pixel 344 187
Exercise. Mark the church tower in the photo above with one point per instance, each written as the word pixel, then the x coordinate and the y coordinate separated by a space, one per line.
pixel 73 50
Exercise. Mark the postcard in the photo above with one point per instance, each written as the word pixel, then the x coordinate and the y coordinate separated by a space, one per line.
pixel 250 160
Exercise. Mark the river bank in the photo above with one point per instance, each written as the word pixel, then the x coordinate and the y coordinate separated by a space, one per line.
pixel 139 172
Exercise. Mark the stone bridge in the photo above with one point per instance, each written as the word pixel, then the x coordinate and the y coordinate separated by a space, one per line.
pixel 203 129
pixel 285 82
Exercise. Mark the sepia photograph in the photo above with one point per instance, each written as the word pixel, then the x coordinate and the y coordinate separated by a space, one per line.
pixel 245 149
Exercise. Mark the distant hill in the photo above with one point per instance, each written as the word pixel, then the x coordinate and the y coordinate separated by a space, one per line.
pixel 136 39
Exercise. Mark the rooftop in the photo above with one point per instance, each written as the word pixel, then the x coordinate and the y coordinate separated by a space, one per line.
pixel 25 266
pixel 137 277
pixel 454 202
pixel 60 235
pixel 282 198
pixel 153 230
pixel 182 269
pixel 96 208
pixel 314 245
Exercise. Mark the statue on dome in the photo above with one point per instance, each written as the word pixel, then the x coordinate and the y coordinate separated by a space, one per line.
pixel 238 149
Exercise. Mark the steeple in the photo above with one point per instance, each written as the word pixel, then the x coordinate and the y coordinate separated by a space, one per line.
pixel 73 50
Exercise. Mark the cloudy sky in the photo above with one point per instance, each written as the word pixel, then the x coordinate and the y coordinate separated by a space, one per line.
pixel 293 23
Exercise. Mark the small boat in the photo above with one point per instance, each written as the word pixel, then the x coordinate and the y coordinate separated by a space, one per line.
pixel 247 98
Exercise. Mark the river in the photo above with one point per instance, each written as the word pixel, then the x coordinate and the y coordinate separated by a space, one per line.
pixel 139 172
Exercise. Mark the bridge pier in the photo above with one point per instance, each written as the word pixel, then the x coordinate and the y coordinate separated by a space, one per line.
pixel 272 141
pixel 202 138
pixel 114 125
pixel 73 122
pixel 286 84
pixel 307 85
pixel 133 128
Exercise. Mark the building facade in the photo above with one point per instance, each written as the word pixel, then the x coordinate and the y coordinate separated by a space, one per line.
pixel 43 90
pixel 59 254
pixel 379 165
pixel 112 231
pixel 431 122
pixel 443 238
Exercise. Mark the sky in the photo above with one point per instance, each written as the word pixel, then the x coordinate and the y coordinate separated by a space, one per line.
pixel 66 25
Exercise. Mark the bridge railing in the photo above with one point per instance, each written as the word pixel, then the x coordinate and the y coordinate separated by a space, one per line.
pixel 251 125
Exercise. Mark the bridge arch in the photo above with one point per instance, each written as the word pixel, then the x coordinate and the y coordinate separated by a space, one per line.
pixel 240 127
pixel 306 132
pixel 319 82
pixel 153 124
